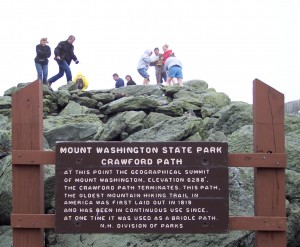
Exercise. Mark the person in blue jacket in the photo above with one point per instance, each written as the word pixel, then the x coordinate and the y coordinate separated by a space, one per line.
pixel 43 52
pixel 119 81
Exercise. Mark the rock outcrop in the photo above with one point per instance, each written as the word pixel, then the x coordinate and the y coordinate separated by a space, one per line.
pixel 194 112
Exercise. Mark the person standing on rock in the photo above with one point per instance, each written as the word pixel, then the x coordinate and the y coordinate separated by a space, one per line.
pixel 174 67
pixel 64 54
pixel 143 66
pixel 157 60
pixel 43 52
pixel 119 81
pixel 166 53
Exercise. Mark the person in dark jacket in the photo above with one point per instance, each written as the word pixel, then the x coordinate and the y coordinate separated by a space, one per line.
pixel 43 52
pixel 119 81
pixel 64 54
pixel 129 80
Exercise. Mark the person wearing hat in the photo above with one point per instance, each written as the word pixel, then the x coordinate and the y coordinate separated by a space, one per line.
pixel 81 81
pixel 43 52
pixel 64 54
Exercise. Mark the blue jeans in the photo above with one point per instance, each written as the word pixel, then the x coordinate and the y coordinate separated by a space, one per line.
pixel 143 73
pixel 175 72
pixel 163 76
pixel 64 67
pixel 42 72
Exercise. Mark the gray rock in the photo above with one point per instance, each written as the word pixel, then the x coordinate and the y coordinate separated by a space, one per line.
pixel 62 97
pixel 293 228
pixel 215 99
pixel 133 121
pixel 124 123
pixel 186 106
pixel 5 190
pixel 73 108
pixel 111 130
pixel 172 110
pixel 52 122
pixel 189 97
pixel 291 123
pixel 129 115
pixel 196 85
pixel 153 118
pixel 128 104
pixel 175 129
pixel 6 112
pixel 170 90
pixel 10 91
pixel 5 102
pixel 104 98
pixel 217 136
pixel 139 90
pixel 241 141
pixel 292 146
pixel 194 138
pixel 5 123
pixel 71 132
pixel 5 236
pixel 49 106
pixel 233 116
pixel 84 101
pixel 5 142
pixel 292 186
pixel 207 111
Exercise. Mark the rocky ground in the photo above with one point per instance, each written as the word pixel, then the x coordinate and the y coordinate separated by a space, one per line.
pixel 194 112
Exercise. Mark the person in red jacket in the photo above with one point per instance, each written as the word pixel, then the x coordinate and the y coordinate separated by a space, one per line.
pixel 166 53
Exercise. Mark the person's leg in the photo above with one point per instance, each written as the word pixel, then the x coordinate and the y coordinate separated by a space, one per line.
pixel 179 76
pixel 39 71
pixel 145 75
pixel 171 74
pixel 179 80
pixel 45 73
pixel 59 75
pixel 67 70
pixel 163 76
pixel 146 82
pixel 169 79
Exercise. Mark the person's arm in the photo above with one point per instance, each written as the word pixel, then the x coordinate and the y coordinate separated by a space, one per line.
pixel 58 49
pixel 74 58
pixel 48 51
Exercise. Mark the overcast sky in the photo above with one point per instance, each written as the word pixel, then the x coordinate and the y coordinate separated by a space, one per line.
pixel 225 43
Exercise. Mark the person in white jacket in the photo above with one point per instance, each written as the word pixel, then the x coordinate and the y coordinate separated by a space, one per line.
pixel 143 66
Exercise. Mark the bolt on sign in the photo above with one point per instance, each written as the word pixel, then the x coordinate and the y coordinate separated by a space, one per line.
pixel 139 187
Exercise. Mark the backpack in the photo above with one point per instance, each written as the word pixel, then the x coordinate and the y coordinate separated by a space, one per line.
pixel 79 83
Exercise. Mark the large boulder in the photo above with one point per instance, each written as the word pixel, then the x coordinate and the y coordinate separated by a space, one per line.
pixel 139 90
pixel 129 103
pixel 233 116
pixel 293 150
pixel 175 129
